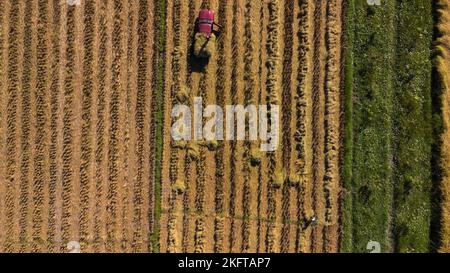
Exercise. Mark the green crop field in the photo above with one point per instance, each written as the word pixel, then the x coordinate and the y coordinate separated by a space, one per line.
pixel 387 176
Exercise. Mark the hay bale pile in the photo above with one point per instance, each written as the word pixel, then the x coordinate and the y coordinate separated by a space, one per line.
pixel 204 47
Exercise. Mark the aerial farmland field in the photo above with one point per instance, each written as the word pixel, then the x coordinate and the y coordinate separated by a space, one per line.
pixel 282 52
pixel 98 154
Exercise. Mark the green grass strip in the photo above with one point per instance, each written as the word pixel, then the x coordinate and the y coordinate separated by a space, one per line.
pixel 159 118
pixel 347 230
pixel 413 135
pixel 368 169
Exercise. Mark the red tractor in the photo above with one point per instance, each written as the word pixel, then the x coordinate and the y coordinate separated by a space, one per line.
pixel 205 22
pixel 204 43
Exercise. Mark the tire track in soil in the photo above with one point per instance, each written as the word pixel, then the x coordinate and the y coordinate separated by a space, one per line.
pixel 103 124
pixel 5 7
pixel 318 122
pixel 27 133
pixel 41 160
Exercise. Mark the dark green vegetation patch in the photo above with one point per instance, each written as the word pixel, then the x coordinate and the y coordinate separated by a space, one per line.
pixel 387 172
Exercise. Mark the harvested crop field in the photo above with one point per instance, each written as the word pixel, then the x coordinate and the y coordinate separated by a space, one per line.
pixel 77 104
pixel 285 53
pixel 85 124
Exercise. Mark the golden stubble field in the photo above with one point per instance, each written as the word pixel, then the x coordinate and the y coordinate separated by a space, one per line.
pixel 286 53
pixel 78 124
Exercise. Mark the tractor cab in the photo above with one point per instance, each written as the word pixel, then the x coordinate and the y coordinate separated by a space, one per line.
pixel 205 22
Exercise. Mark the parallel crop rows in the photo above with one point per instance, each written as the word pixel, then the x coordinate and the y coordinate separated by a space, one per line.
pixel 86 94
pixel 76 94
pixel 232 197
